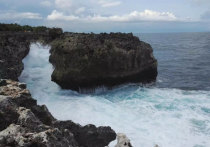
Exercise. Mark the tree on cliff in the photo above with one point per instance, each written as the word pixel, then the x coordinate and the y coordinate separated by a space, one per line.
pixel 40 29
pixel 18 28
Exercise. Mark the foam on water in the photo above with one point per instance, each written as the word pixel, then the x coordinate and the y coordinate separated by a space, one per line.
pixel 148 116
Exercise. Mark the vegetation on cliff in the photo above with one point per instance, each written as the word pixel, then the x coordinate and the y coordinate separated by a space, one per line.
pixel 18 28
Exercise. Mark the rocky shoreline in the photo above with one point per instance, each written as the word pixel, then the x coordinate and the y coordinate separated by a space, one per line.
pixel 24 123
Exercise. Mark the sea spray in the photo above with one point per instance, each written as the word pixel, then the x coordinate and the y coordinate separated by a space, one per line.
pixel 147 115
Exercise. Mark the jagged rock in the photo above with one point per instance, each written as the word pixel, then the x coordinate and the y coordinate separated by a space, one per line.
pixel 22 85
pixel 29 120
pixel 24 123
pixel 89 135
pixel 123 141
pixel 91 60
pixel 8 113
pixel 13 49
pixel 18 136
pixel 3 82
pixel 14 97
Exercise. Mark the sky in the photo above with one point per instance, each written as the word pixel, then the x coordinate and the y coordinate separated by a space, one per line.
pixel 137 16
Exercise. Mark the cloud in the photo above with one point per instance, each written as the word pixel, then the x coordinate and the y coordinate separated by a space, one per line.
pixel 46 3
pixel 107 3
pixel 56 15
pixel 16 15
pixel 63 3
pixel 80 10
pixel 206 15
pixel 147 15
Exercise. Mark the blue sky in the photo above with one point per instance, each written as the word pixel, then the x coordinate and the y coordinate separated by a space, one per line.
pixel 137 16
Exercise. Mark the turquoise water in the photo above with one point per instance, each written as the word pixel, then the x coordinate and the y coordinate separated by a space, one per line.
pixel 157 113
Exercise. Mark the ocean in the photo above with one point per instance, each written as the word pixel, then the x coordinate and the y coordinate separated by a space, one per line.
pixel 174 111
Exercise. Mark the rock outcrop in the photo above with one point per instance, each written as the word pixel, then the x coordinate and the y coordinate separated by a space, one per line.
pixel 91 60
pixel 123 141
pixel 13 49
pixel 24 123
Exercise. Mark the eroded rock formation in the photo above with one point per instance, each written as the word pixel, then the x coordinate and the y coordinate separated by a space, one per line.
pixel 13 49
pixel 91 60
pixel 24 123
pixel 80 60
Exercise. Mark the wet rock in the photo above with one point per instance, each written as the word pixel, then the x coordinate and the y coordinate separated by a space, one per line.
pixel 92 60
pixel 89 135
pixel 123 141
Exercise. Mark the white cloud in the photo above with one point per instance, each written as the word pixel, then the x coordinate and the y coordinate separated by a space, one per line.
pixel 60 16
pixel 107 3
pixel 46 3
pixel 80 10
pixel 16 15
pixel 63 3
pixel 147 15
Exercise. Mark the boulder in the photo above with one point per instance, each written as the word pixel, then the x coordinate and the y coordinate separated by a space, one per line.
pixel 123 141
pixel 92 60
pixel 89 135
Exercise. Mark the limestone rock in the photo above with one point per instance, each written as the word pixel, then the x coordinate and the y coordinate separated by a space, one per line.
pixel 12 97
pixel 89 135
pixel 123 141
pixel 24 123
pixel 18 136
pixel 91 60
pixel 13 49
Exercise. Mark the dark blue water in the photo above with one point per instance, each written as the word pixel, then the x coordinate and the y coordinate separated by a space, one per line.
pixel 183 59
pixel 173 112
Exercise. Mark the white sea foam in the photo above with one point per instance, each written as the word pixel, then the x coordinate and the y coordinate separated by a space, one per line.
pixel 148 116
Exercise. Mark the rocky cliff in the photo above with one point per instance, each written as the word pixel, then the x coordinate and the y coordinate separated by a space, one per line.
pixel 80 60
pixel 13 49
pixel 91 60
